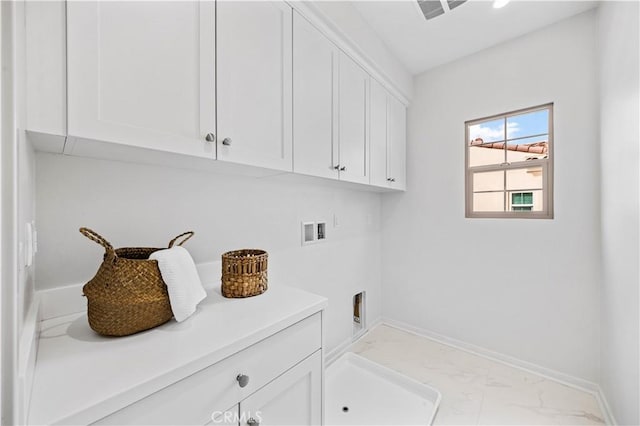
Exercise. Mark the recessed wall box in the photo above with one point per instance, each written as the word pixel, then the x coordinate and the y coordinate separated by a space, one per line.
pixel 308 232
pixel 321 230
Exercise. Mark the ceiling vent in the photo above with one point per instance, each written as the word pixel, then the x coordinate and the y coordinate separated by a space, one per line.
pixel 434 8
pixel 431 8
pixel 455 3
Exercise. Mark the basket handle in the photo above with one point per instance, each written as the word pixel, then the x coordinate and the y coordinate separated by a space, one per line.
pixel 188 235
pixel 94 236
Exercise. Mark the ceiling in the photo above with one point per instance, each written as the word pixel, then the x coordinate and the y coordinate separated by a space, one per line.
pixel 475 25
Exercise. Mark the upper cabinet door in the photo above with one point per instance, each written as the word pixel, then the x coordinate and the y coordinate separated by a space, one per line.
pixel 378 136
pixel 353 121
pixel 254 57
pixel 396 145
pixel 143 74
pixel 315 84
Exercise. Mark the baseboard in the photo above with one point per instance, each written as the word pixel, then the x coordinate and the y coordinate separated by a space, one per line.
pixel 343 347
pixel 61 301
pixel 28 350
pixel 337 352
pixel 375 323
pixel 565 379
pixel 609 419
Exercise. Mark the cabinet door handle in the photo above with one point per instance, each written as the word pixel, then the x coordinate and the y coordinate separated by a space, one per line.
pixel 253 422
pixel 337 167
pixel 226 141
pixel 343 168
pixel 210 137
pixel 243 380
pixel 391 179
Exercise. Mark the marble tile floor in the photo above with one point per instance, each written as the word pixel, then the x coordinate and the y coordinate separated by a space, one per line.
pixel 476 390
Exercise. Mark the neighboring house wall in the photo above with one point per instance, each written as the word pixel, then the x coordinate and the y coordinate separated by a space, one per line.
pixel 518 180
pixel 464 278
pixel 619 147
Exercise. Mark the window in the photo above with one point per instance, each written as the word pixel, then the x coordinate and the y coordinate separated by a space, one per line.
pixel 509 164
pixel 521 201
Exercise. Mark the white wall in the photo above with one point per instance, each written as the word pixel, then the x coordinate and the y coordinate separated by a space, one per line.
pixel 18 208
pixel 8 213
pixel 619 73
pixel 134 205
pixel 26 169
pixel 524 288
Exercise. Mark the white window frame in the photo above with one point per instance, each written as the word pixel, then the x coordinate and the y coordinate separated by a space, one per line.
pixel 545 163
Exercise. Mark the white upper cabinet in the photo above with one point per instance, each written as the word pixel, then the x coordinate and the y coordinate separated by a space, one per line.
pixel 46 78
pixel 261 83
pixel 353 134
pixel 254 57
pixel 378 135
pixel 143 74
pixel 387 140
pixel 315 74
pixel 396 144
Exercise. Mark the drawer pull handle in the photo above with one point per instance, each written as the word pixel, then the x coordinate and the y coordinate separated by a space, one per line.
pixel 253 422
pixel 243 380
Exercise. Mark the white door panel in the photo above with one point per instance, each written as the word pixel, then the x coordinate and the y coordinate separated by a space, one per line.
pixel 153 88
pixel 353 121
pixel 315 72
pixel 295 398
pixel 378 136
pixel 397 144
pixel 254 57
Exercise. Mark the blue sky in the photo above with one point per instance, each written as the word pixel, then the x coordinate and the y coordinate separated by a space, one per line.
pixel 532 123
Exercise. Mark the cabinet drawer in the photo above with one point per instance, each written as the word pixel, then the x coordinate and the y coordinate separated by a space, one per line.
pixel 192 400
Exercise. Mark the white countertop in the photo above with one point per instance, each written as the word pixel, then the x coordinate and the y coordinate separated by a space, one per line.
pixel 81 376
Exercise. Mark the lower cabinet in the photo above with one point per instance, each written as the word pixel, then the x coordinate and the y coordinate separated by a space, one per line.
pixel 277 381
pixel 292 399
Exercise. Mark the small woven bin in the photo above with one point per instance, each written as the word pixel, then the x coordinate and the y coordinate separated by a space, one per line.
pixel 127 295
pixel 244 273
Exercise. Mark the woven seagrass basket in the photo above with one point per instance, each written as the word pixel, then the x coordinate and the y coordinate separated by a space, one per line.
pixel 127 295
pixel 244 273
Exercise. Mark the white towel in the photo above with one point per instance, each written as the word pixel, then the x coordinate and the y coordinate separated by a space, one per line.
pixel 183 283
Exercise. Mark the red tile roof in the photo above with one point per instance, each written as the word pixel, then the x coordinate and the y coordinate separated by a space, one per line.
pixel 536 147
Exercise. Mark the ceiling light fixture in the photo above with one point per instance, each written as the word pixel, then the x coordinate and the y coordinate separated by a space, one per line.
pixel 497 4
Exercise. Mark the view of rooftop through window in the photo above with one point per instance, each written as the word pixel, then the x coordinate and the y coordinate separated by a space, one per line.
pixel 509 154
